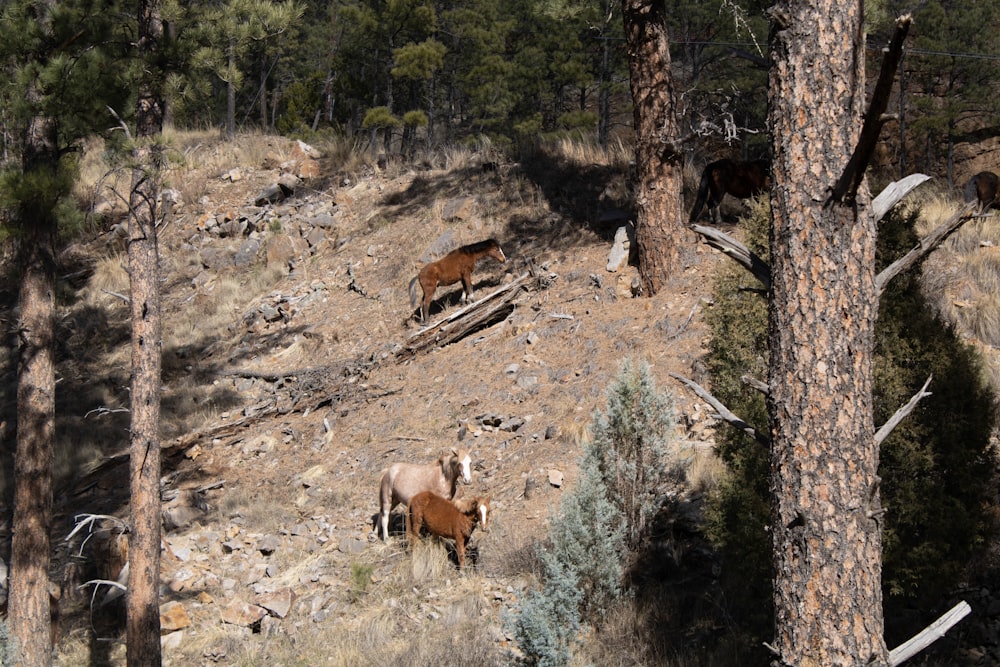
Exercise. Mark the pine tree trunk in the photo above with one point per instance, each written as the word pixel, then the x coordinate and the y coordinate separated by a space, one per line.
pixel 827 545
pixel 660 226
pixel 142 600
pixel 28 605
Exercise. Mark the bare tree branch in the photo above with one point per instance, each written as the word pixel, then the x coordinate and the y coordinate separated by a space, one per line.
pixel 930 634
pixel 847 187
pixel 926 245
pixel 886 428
pixel 754 383
pixel 724 413
pixel 739 252
pixel 894 193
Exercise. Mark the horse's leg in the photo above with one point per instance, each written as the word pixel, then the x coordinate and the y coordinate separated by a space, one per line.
pixel 425 305
pixel 383 520
pixel 460 549
pixel 467 287
pixel 409 526
pixel 716 208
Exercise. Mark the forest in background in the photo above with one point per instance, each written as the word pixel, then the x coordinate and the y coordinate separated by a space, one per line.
pixel 399 76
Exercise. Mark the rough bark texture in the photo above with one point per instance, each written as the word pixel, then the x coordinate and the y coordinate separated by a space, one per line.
pixel 827 547
pixel 660 227
pixel 28 607
pixel 142 600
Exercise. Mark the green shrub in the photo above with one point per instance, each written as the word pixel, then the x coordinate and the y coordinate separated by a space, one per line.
pixel 8 645
pixel 603 519
pixel 549 618
pixel 361 577
pixel 634 448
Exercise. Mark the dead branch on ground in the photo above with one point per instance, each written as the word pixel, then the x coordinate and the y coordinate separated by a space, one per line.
pixel 464 321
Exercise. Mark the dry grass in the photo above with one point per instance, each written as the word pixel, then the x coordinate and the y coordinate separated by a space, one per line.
pixel 618 155
pixel 107 286
pixel 705 470
pixel 258 513
pixel 415 608
pixel 963 277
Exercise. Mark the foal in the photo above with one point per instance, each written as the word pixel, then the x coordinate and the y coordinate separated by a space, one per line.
pixel 456 265
pixel 455 519
pixel 401 481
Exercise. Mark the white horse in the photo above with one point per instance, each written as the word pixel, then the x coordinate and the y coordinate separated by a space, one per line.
pixel 402 481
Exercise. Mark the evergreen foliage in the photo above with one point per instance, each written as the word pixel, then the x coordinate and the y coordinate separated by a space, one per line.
pixel 8 645
pixel 950 75
pixel 603 519
pixel 935 466
pixel 632 448
pixel 549 619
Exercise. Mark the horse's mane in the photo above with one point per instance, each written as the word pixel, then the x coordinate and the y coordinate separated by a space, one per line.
pixel 467 505
pixel 479 246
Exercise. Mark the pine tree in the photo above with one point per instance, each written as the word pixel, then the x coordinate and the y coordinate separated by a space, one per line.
pixel 60 62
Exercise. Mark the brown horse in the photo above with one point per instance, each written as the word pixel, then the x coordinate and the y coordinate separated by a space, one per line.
pixel 984 187
pixel 401 481
pixel 456 265
pixel 455 519
pixel 739 179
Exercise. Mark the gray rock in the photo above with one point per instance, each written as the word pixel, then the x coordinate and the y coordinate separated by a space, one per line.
pixel 618 257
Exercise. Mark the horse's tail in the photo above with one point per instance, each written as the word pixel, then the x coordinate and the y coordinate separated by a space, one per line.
pixel 413 291
pixel 699 203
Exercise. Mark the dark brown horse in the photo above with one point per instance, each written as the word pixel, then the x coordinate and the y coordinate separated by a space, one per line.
pixel 722 177
pixel 456 265
pixel 983 187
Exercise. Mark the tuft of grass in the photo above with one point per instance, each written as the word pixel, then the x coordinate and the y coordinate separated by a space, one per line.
pixel 429 561
pixel 102 187
pixel 260 513
pixel 361 579
pixel 107 285
pixel 617 155
pixel 963 280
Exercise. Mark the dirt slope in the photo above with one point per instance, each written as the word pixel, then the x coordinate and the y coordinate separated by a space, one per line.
pixel 278 422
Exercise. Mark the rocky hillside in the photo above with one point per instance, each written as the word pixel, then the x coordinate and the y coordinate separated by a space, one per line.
pixel 291 380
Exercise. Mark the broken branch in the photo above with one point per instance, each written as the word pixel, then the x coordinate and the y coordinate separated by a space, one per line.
pixel 724 413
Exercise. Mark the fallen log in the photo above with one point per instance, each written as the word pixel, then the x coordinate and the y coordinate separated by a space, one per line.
pixel 493 307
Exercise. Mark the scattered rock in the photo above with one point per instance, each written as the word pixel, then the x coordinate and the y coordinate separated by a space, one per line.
pixel 620 249
pixel 242 613
pixel 278 603
pixel 173 617
pixel 556 478
pixel 458 208
pixel 351 545
pixel 268 544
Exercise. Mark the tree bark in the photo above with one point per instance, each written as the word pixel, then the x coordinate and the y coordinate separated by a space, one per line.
pixel 827 544
pixel 142 598
pixel 660 225
pixel 29 610
pixel 29 606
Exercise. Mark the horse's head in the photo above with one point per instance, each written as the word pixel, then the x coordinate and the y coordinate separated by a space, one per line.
pixel 463 461
pixel 496 252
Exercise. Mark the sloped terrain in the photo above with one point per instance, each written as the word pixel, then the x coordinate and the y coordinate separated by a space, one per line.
pixel 287 388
